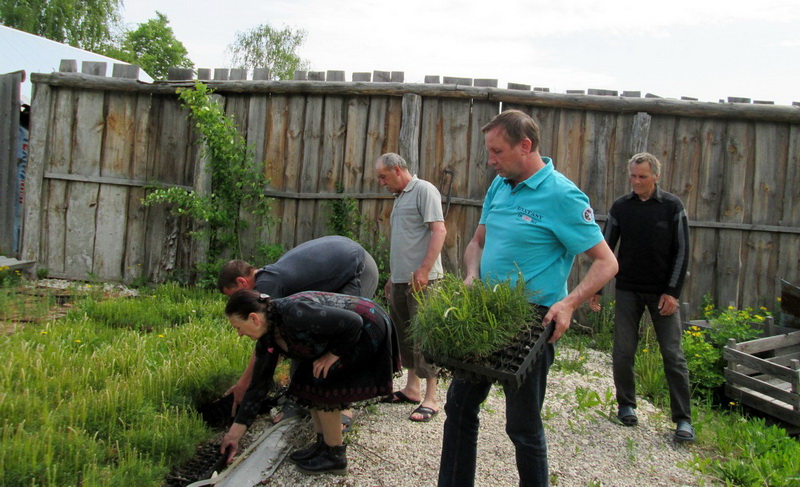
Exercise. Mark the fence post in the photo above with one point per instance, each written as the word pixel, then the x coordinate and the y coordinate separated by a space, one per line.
pixel 410 130
pixel 732 345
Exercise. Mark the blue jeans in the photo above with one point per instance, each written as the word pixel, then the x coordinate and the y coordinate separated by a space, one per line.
pixel 523 426
pixel 628 313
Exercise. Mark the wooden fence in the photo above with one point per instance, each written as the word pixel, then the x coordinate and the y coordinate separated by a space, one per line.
pixel 96 142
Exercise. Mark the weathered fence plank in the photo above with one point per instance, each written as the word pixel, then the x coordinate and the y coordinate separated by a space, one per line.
pixel 455 155
pixel 789 251
pixel 82 197
pixel 375 211
pixel 332 163
pixel 706 208
pixel 55 192
pixel 761 250
pixel 136 233
pixel 258 118
pixel 109 246
pixel 684 176
pixel 738 156
pixel 293 168
pixel 309 171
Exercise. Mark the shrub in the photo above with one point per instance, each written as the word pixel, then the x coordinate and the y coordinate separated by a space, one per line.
pixel 703 347
pixel 9 277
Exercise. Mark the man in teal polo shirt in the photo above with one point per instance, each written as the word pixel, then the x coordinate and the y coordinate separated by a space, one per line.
pixel 536 221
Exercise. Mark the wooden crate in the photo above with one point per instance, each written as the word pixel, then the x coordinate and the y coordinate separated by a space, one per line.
pixel 765 375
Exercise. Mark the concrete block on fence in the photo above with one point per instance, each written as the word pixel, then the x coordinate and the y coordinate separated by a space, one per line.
pixel 600 92
pixel 129 71
pixel 316 76
pixel 432 79
pixel 221 74
pixel 176 74
pixel 454 80
pixel 362 77
pixel 95 68
pixel 576 92
pixel 763 102
pixel 688 98
pixel 68 66
pixel 300 75
pixel 650 95
pixel 738 99
pixel 204 74
pixel 335 75
pixel 542 89
pixel 381 76
pixel 519 86
pixel 489 83
pixel 398 76
pixel 632 94
pixel 261 74
pixel 238 74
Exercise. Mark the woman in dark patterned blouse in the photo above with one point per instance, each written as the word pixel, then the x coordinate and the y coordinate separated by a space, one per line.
pixel 348 351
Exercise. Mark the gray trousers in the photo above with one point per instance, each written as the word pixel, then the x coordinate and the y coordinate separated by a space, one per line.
pixel 403 307
pixel 365 282
pixel 628 313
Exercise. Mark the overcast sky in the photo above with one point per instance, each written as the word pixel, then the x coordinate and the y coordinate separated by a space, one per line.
pixel 706 49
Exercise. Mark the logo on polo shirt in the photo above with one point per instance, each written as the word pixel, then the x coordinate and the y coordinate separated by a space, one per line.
pixel 528 216
pixel 588 215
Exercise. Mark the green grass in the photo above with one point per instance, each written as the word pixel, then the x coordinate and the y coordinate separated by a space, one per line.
pixel 106 396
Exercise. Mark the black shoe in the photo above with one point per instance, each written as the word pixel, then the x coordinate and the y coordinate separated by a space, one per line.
pixel 307 452
pixel 329 459
pixel 627 416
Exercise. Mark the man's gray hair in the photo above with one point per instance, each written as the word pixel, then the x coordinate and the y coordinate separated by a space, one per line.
pixel 655 166
pixel 390 160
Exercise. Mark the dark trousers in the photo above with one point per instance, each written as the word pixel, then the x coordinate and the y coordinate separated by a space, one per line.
pixel 628 313
pixel 523 426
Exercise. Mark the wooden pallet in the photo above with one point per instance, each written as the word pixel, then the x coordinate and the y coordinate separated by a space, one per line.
pixel 765 375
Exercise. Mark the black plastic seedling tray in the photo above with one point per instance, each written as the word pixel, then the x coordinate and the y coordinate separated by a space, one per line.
pixel 509 365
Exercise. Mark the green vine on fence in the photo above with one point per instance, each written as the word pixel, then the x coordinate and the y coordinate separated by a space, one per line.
pixel 237 183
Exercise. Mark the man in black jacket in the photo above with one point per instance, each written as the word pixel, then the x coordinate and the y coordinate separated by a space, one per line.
pixel 653 234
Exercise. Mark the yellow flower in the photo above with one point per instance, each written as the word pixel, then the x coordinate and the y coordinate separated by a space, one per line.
pixel 695 327
pixel 77 341
pixel 644 350
pixel 763 308
pixel 697 355
pixel 732 403
pixel 731 308
pixel 43 332
pixel 758 317
pixel 160 335
pixel 778 299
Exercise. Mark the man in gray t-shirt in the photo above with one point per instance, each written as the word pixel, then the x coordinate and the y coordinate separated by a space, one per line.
pixel 418 234
pixel 333 264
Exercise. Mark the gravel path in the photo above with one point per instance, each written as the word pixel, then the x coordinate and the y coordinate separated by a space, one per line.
pixel 586 448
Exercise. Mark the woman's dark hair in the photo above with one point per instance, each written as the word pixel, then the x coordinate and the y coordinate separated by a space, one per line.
pixel 246 301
